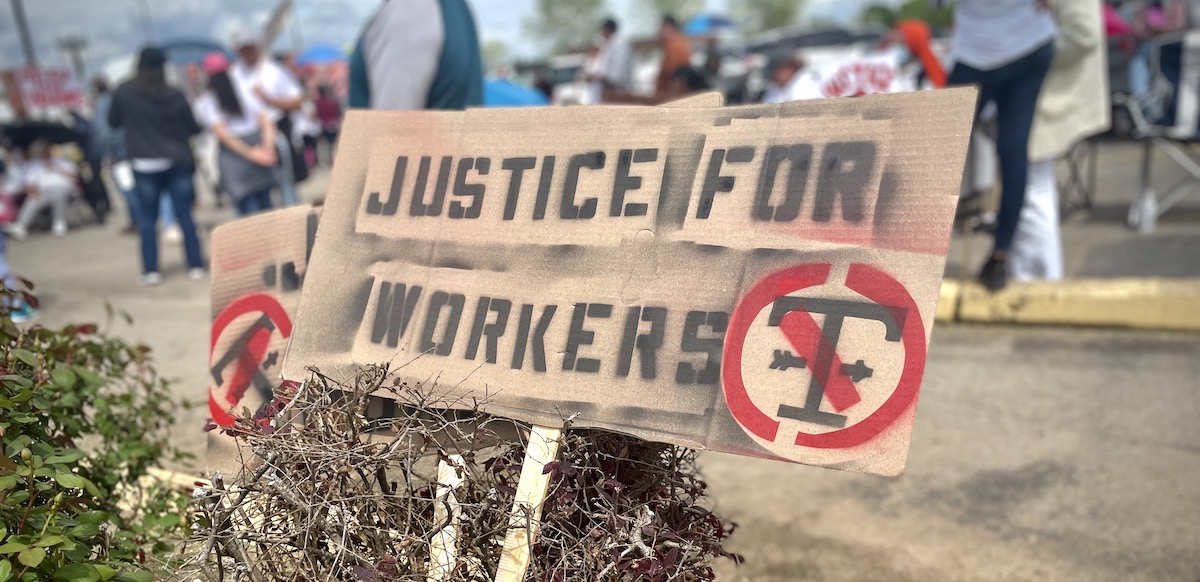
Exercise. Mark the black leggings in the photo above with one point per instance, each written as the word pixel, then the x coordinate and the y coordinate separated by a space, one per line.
pixel 1014 89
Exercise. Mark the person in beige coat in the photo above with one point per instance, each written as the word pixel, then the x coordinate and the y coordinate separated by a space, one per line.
pixel 1073 105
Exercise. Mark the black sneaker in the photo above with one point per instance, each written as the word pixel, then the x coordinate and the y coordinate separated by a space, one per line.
pixel 994 274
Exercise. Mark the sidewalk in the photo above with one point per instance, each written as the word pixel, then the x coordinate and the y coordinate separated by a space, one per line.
pixel 1114 276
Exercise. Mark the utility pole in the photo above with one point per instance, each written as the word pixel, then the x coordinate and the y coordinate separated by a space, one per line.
pixel 143 8
pixel 18 8
pixel 75 45
pixel 297 35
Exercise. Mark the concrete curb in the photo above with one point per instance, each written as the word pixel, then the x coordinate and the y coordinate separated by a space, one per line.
pixel 1153 304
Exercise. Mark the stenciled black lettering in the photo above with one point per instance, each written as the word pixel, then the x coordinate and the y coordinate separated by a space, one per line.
pixel 492 331
pixel 543 191
pixel 718 322
pixel 375 206
pixel 846 168
pixel 417 206
pixel 393 310
pixel 536 340
pixel 474 191
pixel 647 343
pixel 568 210
pixel 577 337
pixel 517 167
pixel 714 182
pixel 799 158
pixel 437 301
pixel 624 182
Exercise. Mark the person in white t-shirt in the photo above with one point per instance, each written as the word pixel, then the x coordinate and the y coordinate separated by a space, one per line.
pixel 246 134
pixel 612 69
pixel 262 83
pixel 1005 47
pixel 47 181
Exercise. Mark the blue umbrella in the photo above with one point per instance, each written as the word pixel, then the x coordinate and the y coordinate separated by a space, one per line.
pixel 505 93
pixel 320 54
pixel 707 24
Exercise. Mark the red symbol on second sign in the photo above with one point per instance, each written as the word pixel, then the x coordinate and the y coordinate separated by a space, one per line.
pixel 246 354
pixel 815 348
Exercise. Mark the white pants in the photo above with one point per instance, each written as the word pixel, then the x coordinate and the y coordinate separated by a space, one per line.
pixel 1037 247
pixel 56 198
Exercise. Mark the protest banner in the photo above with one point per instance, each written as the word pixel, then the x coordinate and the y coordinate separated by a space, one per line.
pixel 865 74
pixel 32 90
pixel 757 280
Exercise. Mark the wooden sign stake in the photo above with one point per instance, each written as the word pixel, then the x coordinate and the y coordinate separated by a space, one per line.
pixel 527 506
pixel 443 552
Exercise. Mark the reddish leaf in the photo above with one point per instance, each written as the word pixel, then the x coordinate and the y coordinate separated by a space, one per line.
pixel 567 468
pixel 364 574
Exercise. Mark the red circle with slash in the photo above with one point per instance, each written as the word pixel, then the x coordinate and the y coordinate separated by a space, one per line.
pixel 868 281
pixel 249 360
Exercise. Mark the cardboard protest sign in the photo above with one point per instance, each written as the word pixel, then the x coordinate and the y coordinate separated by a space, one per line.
pixel 757 280
pixel 258 267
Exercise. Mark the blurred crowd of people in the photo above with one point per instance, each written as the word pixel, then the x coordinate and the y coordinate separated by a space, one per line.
pixel 1039 65
pixel 268 127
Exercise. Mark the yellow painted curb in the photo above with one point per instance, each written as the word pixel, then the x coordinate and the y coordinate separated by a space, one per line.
pixel 1160 304
pixel 947 307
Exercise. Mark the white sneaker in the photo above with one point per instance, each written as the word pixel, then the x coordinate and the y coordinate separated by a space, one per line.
pixel 59 229
pixel 151 279
pixel 17 231
pixel 197 273
pixel 172 234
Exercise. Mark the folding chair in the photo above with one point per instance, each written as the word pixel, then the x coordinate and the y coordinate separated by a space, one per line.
pixel 1173 130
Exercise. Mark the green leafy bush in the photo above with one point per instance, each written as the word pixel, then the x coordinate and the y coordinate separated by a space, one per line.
pixel 82 419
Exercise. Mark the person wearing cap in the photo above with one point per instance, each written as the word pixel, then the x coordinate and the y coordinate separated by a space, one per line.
pixel 158 124
pixel 418 54
pixel 246 134
pixel 263 84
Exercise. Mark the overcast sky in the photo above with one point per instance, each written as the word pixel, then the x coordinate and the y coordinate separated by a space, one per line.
pixel 114 28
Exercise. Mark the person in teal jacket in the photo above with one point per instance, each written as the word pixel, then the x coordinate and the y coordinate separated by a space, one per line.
pixel 418 54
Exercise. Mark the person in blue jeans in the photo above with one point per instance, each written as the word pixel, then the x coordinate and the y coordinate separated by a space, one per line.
pixel 158 124
pixel 1005 47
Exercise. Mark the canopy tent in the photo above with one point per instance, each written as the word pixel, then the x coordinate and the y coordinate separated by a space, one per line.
pixel 320 54
pixel 706 24
pixel 505 93
pixel 191 51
